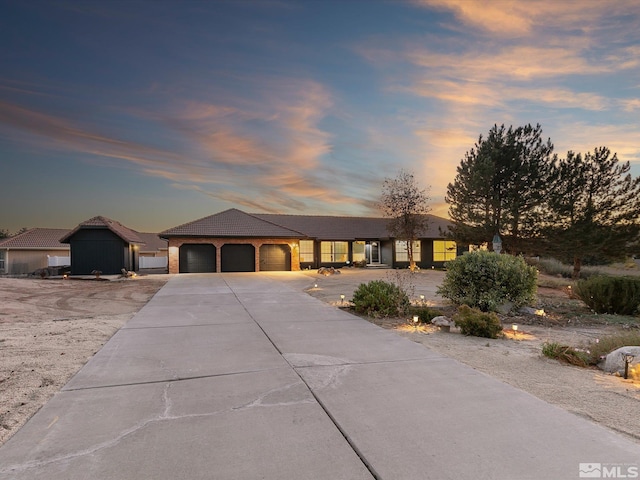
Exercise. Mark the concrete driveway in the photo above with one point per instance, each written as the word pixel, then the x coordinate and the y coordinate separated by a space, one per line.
pixel 243 376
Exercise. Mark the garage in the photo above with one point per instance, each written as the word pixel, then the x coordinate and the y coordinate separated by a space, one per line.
pixel 237 258
pixel 275 258
pixel 197 258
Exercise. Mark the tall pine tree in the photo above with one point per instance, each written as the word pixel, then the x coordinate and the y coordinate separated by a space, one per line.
pixel 594 210
pixel 500 188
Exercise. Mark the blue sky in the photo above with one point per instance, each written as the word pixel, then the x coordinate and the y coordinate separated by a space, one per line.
pixel 158 113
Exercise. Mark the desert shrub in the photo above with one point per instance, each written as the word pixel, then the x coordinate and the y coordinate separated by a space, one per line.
pixel 565 353
pixel 619 295
pixel 597 349
pixel 555 268
pixel 380 298
pixel 472 321
pixel 487 281
pixel 425 314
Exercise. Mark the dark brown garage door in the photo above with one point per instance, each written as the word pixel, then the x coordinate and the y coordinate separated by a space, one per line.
pixel 237 258
pixel 197 258
pixel 275 258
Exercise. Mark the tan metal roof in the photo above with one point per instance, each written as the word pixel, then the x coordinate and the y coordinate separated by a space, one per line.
pixel 37 238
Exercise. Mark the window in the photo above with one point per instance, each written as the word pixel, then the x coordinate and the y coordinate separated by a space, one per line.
pixel 2 266
pixel 334 252
pixel 402 255
pixel 358 251
pixel 444 250
pixel 306 251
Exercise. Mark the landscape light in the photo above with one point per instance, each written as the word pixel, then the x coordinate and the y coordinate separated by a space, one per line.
pixel 416 319
pixel 422 298
pixel 315 285
pixel 628 358
pixel 514 327
pixel 342 298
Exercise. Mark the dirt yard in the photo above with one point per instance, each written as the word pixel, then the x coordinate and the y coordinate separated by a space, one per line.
pixel 48 331
pixel 50 328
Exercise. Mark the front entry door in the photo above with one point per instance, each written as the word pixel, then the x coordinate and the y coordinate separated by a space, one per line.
pixel 373 252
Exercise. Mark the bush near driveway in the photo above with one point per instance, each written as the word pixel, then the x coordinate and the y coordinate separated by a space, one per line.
pixel 472 321
pixel 380 298
pixel 487 280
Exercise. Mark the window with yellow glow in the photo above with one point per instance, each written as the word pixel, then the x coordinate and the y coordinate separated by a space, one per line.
pixel 444 250
pixel 402 255
pixel 334 252
pixel 358 251
pixel 306 251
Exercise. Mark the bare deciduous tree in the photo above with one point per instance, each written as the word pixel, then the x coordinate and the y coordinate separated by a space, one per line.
pixel 406 204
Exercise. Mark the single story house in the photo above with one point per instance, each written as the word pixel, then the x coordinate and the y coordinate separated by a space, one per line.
pixel 108 246
pixel 236 241
pixel 32 250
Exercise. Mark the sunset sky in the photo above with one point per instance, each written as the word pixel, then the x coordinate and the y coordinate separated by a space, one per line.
pixel 158 113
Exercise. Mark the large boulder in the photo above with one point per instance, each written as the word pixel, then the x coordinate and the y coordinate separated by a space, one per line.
pixel 443 322
pixel 614 362
pixel 326 271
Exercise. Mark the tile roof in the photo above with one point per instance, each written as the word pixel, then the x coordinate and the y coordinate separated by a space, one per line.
pixel 333 228
pixel 120 230
pixel 236 223
pixel 152 242
pixel 37 238
pixel 348 228
pixel 231 223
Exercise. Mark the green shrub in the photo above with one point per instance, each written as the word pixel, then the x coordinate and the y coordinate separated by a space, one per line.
pixel 472 321
pixel 487 281
pixel 619 295
pixel 380 298
pixel 425 314
pixel 565 353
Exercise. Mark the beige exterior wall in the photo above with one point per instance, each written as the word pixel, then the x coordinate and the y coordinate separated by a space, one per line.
pixel 18 262
pixel 176 242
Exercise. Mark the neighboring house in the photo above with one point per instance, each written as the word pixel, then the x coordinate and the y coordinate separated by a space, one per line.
pixel 154 246
pixel 104 245
pixel 235 241
pixel 153 254
pixel 31 250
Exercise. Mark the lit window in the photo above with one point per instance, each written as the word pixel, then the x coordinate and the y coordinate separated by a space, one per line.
pixel 402 255
pixel 444 250
pixel 334 252
pixel 306 251
pixel 358 251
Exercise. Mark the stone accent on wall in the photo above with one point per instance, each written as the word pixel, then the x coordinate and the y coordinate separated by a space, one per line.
pixel 176 242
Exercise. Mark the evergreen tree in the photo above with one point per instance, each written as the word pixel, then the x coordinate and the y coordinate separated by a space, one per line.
pixel 500 188
pixel 594 210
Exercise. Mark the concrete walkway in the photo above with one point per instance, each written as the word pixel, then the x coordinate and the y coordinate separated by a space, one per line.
pixel 241 376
